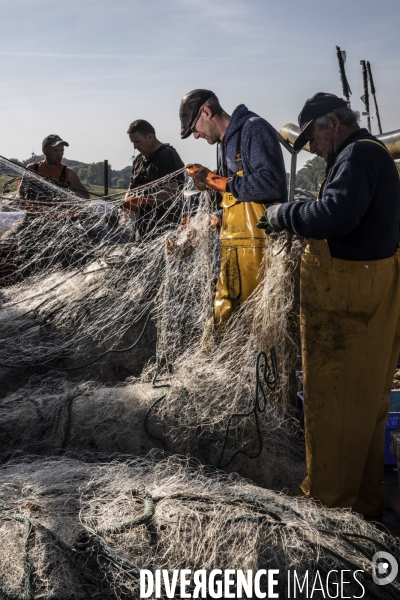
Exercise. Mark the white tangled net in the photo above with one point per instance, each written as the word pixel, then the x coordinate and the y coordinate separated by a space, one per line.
pixel 106 353
pixel 81 283
pixel 85 529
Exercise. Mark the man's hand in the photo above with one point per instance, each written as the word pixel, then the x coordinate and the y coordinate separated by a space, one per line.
pixel 52 212
pixel 34 208
pixel 265 221
pixel 199 175
pixel 185 223
pixel 134 202
pixel 215 223
pixel 205 179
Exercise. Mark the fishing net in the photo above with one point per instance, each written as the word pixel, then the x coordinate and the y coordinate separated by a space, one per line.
pixel 52 415
pixel 106 352
pixel 84 287
pixel 80 529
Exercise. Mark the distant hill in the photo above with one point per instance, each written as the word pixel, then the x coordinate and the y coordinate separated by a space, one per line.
pixel 90 173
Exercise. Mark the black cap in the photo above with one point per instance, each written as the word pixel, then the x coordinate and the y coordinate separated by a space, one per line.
pixel 189 109
pixel 53 140
pixel 319 105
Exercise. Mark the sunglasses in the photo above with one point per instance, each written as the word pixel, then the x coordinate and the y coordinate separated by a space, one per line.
pixel 193 127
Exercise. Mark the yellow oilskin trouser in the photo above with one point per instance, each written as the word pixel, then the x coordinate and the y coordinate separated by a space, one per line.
pixel 350 330
pixel 242 246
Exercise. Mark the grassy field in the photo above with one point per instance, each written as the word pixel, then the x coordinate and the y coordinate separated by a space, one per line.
pixel 96 190
pixel 3 181
pixel 99 189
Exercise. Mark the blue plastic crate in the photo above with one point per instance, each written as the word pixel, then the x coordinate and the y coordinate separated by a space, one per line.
pixel 393 422
pixel 300 403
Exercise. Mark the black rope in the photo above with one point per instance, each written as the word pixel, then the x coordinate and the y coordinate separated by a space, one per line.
pixel 85 547
pixel 154 385
pixel 90 552
pixel 266 375
pixel 145 516
pixel 67 426
pixel 50 368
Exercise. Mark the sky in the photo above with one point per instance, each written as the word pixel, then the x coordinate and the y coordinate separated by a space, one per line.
pixel 85 69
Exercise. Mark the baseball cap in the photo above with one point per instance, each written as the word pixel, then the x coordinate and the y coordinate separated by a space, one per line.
pixel 190 106
pixel 53 140
pixel 320 104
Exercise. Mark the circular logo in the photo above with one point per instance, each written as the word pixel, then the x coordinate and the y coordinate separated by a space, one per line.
pixel 384 568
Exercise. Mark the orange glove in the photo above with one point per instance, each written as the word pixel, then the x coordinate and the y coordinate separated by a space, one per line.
pixel 214 222
pixel 133 203
pixel 184 223
pixel 205 179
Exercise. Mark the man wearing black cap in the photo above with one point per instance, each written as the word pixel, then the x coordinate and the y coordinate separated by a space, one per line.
pixel 350 304
pixel 51 166
pixel 251 174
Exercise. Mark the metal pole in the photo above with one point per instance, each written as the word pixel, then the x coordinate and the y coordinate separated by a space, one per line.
pixel 106 177
pixel 341 56
pixel 291 132
pixel 373 92
pixel 293 163
pixel 365 97
pixel 292 181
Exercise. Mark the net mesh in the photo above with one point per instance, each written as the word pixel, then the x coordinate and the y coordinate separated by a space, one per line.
pixel 106 352
pixel 84 282
pixel 85 529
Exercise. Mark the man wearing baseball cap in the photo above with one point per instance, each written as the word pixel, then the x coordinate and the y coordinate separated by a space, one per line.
pixel 251 174
pixel 52 166
pixel 350 304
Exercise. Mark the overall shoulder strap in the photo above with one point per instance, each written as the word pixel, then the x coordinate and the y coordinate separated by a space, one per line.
pixel 36 167
pixel 238 155
pixel 382 145
pixel 376 143
pixel 63 174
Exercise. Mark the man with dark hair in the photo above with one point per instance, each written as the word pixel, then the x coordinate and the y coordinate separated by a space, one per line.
pixel 141 126
pixel 251 174
pixel 53 168
pixel 156 160
pixel 350 304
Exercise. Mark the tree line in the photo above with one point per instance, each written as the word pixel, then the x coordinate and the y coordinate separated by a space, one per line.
pixel 90 173
pixel 311 175
pixel 308 178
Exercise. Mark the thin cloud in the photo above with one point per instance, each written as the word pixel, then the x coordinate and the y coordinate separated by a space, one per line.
pixel 102 56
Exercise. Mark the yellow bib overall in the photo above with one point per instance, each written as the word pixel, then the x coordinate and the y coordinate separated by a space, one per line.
pixel 242 249
pixel 350 332
pixel 242 246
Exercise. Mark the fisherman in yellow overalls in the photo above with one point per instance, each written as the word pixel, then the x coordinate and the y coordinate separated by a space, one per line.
pixel 350 305
pixel 251 175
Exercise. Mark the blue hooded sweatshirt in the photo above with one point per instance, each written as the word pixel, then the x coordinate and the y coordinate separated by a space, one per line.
pixel 264 178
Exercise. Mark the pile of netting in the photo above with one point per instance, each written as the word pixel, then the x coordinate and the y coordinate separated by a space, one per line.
pixel 106 352
pixel 74 529
pixel 85 286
